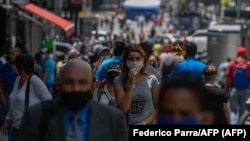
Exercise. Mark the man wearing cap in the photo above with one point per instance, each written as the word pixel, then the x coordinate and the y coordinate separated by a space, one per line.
pixel 238 97
pixel 104 54
pixel 118 52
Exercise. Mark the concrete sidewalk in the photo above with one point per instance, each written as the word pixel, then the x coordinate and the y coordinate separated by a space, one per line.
pixel 3 138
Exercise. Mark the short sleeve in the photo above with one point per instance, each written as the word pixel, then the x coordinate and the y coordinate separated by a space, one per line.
pixel 229 70
pixel 40 89
pixel 100 73
pixel 118 81
pixel 153 81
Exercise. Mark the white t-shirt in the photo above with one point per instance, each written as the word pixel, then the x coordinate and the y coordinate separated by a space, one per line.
pixel 38 92
pixel 105 98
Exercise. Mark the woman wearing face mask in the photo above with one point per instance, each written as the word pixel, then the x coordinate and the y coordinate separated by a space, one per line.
pixel 183 100
pixel 24 64
pixel 136 91
pixel 154 61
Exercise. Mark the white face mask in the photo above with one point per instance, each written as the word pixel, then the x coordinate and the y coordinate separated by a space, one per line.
pixel 136 65
pixel 104 58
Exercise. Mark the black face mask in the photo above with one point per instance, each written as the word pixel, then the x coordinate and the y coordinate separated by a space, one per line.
pixel 111 76
pixel 75 100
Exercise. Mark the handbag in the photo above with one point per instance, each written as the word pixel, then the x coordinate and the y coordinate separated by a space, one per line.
pixel 27 92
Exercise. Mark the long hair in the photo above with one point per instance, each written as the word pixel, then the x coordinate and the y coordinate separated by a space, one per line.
pixel 125 69
pixel 25 62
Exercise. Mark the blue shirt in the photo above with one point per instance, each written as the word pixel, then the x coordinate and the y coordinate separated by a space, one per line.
pixel 101 72
pixel 8 76
pixel 190 65
pixel 83 114
pixel 48 66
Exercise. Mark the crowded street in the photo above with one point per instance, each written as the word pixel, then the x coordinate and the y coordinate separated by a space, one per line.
pixel 87 70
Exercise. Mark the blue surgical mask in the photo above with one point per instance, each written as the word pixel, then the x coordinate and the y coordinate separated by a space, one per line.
pixel 153 64
pixel 186 121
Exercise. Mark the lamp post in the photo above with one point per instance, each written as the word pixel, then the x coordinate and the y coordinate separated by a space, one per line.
pixel 238 9
pixel 8 24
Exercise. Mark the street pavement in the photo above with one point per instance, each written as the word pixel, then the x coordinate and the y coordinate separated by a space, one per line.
pixel 3 138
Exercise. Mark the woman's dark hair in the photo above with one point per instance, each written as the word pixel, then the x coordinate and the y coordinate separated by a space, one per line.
pixel 203 96
pixel 147 47
pixel 25 62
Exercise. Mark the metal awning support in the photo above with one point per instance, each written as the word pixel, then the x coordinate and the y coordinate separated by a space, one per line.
pixel 29 18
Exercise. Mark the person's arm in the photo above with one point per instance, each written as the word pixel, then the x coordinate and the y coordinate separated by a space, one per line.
pixel 151 118
pixel 227 112
pixel 46 69
pixel 2 98
pixel 228 75
pixel 100 74
pixel 124 98
pixel 4 128
pixel 40 89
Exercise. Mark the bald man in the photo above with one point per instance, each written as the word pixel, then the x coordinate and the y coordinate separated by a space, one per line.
pixel 96 122
pixel 72 54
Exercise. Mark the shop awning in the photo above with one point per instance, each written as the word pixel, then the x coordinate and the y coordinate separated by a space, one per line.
pixel 66 25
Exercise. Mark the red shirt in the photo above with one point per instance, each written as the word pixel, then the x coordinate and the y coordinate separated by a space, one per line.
pixel 231 67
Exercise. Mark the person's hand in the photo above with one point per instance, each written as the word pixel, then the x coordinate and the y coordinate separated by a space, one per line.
pixel 131 76
pixel 2 99
pixel 141 123
pixel 4 128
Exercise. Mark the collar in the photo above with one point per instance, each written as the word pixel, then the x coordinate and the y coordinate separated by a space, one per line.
pixel 117 57
pixel 191 58
pixel 81 112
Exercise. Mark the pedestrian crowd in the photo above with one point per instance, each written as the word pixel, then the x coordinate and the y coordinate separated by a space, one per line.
pixel 47 97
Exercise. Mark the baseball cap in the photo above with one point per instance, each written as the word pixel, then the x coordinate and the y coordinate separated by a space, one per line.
pixel 104 48
pixel 114 67
pixel 97 48
pixel 241 50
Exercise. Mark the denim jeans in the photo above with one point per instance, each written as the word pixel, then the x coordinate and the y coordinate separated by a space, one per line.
pixel 13 133
pixel 50 88
pixel 238 102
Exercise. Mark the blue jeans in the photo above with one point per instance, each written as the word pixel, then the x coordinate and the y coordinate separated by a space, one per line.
pixel 13 133
pixel 238 102
pixel 50 88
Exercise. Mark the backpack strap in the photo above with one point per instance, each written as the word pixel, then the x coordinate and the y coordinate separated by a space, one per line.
pixel 27 92
pixel 100 92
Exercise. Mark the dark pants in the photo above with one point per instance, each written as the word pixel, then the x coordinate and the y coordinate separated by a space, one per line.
pixel 13 133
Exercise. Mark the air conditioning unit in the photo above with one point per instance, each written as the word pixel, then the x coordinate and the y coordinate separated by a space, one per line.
pixel 20 1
